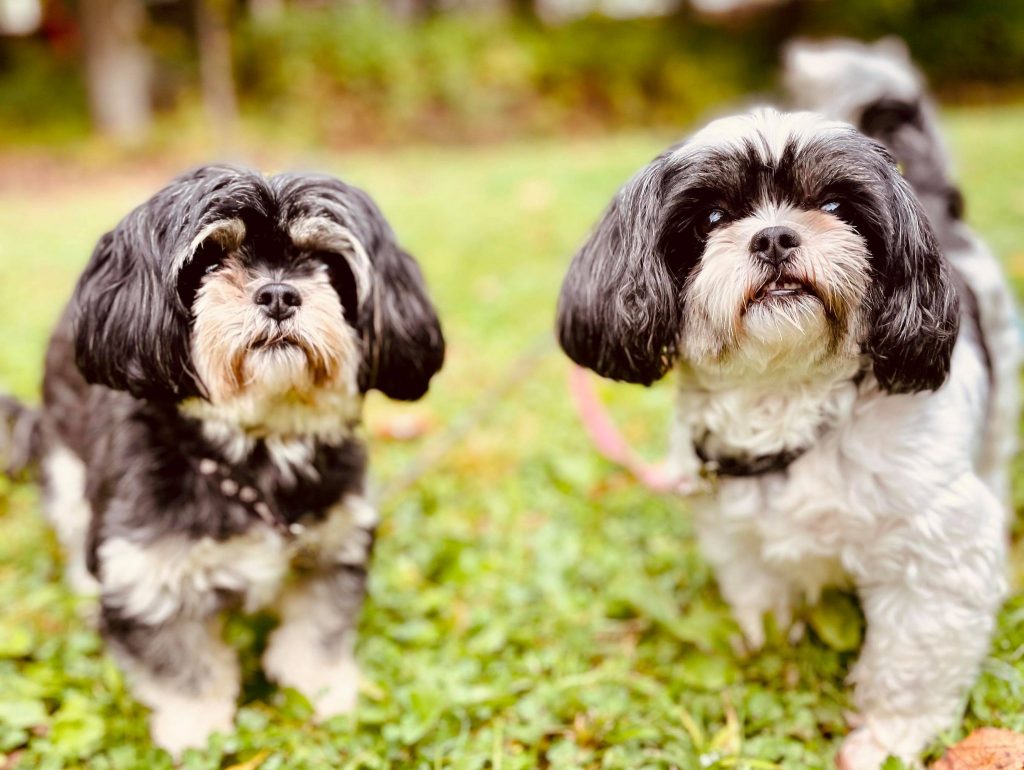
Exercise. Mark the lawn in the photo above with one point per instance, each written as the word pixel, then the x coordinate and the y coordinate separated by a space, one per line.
pixel 530 605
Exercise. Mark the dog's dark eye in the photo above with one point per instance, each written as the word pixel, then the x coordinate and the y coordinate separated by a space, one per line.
pixel 343 281
pixel 207 260
pixel 711 219
pixel 832 207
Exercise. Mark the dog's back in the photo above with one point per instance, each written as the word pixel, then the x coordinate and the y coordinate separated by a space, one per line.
pixel 877 88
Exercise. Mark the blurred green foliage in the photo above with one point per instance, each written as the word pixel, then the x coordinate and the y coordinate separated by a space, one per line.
pixel 41 92
pixel 356 73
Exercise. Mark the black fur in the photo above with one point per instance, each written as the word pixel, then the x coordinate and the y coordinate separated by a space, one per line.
pixel 131 307
pixel 619 310
pixel 119 367
pixel 621 306
pixel 20 436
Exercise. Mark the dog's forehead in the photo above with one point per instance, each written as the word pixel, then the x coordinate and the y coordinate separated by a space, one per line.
pixel 768 154
pixel 769 133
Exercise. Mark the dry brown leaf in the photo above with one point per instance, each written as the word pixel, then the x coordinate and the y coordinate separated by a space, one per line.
pixel 985 749
pixel 402 427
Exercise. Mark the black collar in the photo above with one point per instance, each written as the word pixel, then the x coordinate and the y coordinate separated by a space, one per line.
pixel 238 486
pixel 743 467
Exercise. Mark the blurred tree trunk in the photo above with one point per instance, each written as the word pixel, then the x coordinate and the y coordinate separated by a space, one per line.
pixel 523 9
pixel 217 79
pixel 117 67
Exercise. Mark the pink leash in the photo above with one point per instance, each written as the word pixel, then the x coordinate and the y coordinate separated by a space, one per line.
pixel 613 446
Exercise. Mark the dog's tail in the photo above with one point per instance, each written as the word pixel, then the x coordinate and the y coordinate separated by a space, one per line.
pixel 20 437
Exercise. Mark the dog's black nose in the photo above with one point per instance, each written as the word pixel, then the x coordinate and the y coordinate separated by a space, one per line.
pixel 278 300
pixel 774 245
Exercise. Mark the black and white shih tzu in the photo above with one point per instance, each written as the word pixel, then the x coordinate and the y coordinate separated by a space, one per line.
pixel 198 441
pixel 876 87
pixel 830 383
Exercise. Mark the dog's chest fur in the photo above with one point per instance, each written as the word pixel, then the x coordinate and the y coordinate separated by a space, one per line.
pixel 736 414
pixel 877 471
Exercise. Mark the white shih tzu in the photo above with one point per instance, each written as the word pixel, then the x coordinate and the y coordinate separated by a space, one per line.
pixel 831 383
pixel 199 439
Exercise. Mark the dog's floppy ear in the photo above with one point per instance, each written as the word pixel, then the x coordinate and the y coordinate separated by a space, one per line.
pixel 401 339
pixel 619 312
pixel 914 303
pixel 403 342
pixel 131 326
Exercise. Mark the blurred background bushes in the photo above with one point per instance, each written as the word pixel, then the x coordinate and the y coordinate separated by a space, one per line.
pixel 381 72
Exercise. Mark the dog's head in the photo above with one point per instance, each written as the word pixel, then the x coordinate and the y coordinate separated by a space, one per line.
pixel 765 238
pixel 877 88
pixel 227 285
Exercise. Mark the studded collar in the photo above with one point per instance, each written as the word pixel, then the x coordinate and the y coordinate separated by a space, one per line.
pixel 234 485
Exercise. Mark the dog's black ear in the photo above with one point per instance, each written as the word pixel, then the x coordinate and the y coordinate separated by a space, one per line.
pixel 619 312
pixel 914 302
pixel 131 323
pixel 128 336
pixel 402 343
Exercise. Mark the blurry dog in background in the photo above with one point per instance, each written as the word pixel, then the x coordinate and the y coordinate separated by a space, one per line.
pixel 877 88
pixel 198 441
pixel 834 385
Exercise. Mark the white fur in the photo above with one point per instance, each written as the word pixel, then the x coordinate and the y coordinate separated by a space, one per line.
pixel 154 582
pixel 296 656
pixel 69 513
pixel 837 78
pixel 998 320
pixel 767 130
pixel 185 714
pixel 227 233
pixel 899 496
pixel 174 582
pixel 832 257
pixel 888 500
pixel 235 426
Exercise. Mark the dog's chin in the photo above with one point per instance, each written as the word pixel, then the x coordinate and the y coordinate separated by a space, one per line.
pixel 280 367
pixel 784 313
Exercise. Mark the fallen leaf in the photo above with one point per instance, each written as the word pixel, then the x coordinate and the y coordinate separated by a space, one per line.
pixel 406 427
pixel 985 749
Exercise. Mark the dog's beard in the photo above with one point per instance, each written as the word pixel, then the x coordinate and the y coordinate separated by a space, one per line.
pixel 806 309
pixel 241 354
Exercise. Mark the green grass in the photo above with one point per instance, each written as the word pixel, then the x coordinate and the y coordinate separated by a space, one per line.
pixel 530 605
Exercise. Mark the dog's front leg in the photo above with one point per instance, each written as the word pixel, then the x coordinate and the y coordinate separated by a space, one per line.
pixel 181 669
pixel 930 615
pixel 751 587
pixel 313 648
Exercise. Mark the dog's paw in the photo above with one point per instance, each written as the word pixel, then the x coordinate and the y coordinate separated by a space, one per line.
pixel 861 751
pixel 185 723
pixel 330 685
pixel 864 749
pixel 751 623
